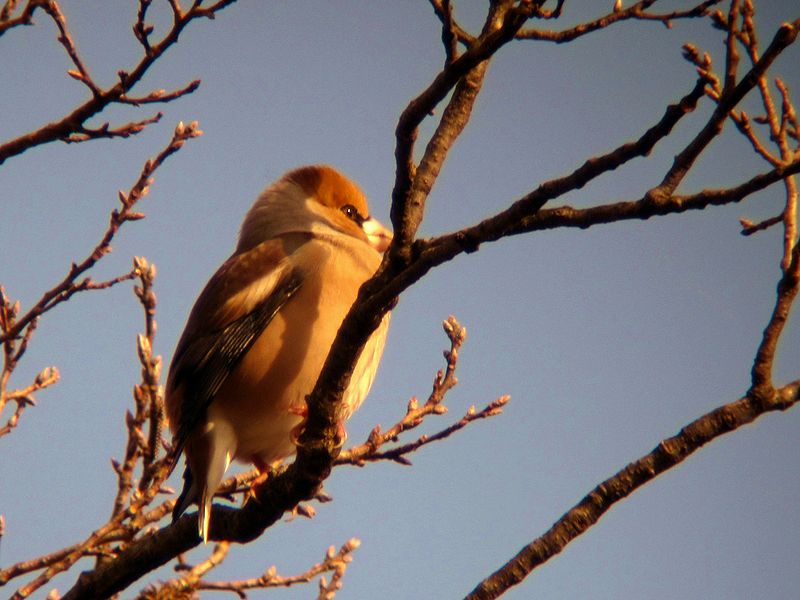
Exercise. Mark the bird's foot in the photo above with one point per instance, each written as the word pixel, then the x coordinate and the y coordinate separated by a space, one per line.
pixel 265 471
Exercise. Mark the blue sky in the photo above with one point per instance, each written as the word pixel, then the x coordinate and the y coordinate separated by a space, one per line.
pixel 608 340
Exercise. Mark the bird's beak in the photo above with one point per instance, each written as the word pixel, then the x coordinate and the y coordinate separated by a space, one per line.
pixel 379 237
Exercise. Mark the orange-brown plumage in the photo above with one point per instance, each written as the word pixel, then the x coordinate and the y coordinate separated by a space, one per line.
pixel 262 327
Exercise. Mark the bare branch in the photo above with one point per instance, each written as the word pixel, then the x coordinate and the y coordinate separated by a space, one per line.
pixel 518 217
pixel 644 208
pixel 335 562
pixel 407 204
pixel 70 284
pixel 161 96
pixel 762 389
pixel 29 566
pixel 731 96
pixel 452 33
pixel 97 544
pixel 636 11
pixel 25 397
pixel 65 39
pixel 369 451
pixel 781 127
pixel 148 403
pixel 25 17
pixel 84 134
pixel 101 98
pixel 731 54
pixel 269 500
pixel 749 228
pixel 189 582
pixel 141 30
pixel 666 455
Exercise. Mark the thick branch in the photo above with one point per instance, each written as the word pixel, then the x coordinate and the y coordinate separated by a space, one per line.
pixel 666 455
pixel 277 495
pixel 407 212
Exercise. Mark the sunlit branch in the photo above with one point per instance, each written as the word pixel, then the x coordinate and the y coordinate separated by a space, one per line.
pixel 71 283
pixel 666 455
pixel 636 11
pixel 72 123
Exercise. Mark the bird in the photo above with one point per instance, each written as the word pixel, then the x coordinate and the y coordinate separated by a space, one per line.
pixel 258 335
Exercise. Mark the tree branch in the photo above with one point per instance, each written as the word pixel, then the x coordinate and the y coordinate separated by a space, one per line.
pixel 335 562
pixel 502 23
pixel 70 285
pixel 75 121
pixel 594 505
pixel 646 207
pixel 730 98
pixel 762 387
pixel 636 11
pixel 409 260
pixel 369 451
pixel 25 17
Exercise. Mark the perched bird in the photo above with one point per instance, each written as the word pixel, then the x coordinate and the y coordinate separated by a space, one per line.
pixel 258 335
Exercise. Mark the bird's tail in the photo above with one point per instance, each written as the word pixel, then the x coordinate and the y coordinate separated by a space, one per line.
pixel 205 468
pixel 188 494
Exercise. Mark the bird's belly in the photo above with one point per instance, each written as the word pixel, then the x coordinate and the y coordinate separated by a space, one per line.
pixel 264 396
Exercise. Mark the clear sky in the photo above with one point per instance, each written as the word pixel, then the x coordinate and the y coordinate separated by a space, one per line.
pixel 608 340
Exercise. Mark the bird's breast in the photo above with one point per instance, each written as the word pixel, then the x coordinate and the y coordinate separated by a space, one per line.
pixel 264 395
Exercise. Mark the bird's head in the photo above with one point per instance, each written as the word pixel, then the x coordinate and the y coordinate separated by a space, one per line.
pixel 315 200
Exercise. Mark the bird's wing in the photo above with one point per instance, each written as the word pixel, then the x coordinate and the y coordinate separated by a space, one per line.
pixel 230 314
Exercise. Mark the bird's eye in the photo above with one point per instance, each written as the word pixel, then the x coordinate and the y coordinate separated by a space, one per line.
pixel 351 212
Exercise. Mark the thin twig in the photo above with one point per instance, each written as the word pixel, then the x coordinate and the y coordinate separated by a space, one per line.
pixel 636 11
pixel 98 543
pixel 161 96
pixel 369 451
pixel 25 17
pixel 730 98
pixel 70 284
pixel 73 122
pixel 749 228
pixel 81 73
pixel 335 562
pixel 25 397
pixel 781 127
pixel 84 134
pixel 365 453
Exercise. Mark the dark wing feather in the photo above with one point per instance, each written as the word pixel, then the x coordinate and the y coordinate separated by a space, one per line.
pixel 205 363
